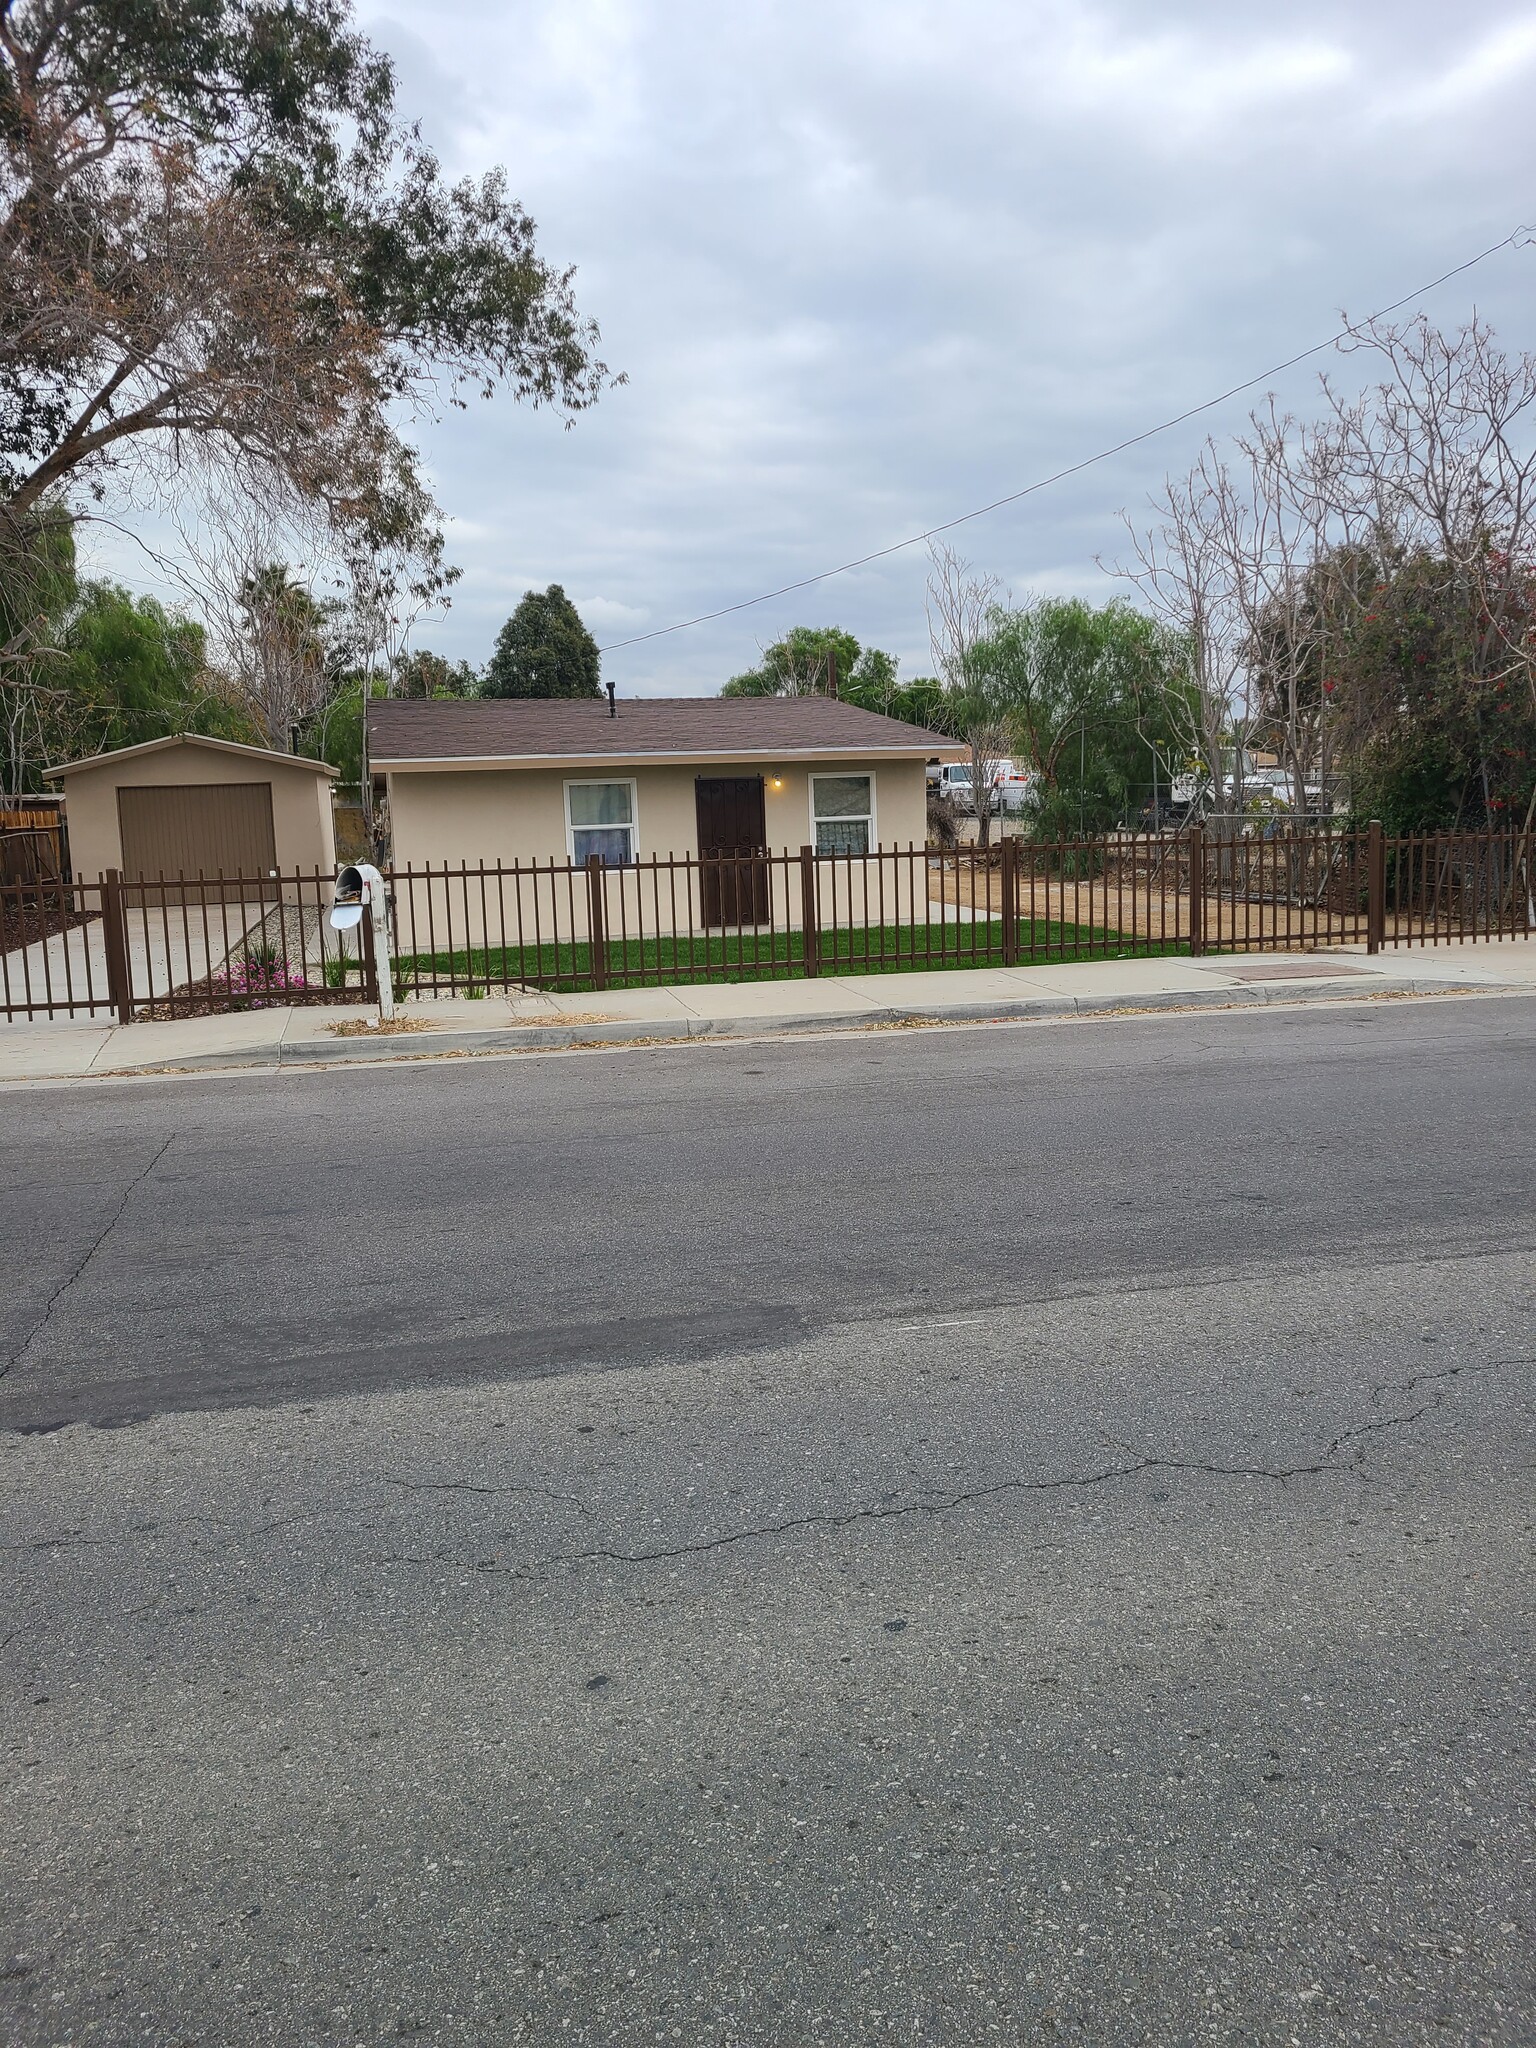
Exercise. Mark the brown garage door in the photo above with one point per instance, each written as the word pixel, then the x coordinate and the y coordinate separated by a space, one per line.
pixel 196 828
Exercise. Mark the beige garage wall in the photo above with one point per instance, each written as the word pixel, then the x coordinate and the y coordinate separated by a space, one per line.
pixel 301 803
pixel 483 816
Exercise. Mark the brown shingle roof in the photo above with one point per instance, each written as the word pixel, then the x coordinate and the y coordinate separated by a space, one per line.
pixel 448 729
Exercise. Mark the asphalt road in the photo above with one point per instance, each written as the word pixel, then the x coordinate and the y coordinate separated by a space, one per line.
pixel 963 1536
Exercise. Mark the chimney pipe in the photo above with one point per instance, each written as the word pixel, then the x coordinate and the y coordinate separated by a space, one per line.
pixel 613 709
pixel 831 671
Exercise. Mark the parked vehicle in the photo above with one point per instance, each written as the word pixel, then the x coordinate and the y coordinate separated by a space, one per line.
pixel 1017 788
pixel 953 780
pixel 1013 785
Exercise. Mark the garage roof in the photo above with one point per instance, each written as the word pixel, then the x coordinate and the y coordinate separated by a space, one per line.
pixel 447 732
pixel 189 739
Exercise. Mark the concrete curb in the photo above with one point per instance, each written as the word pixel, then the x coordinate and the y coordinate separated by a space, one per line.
pixel 627 1031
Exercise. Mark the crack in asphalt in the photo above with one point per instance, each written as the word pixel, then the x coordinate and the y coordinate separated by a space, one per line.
pixel 569 1500
pixel 343 1503
pixel 889 1508
pixel 938 1504
pixel 941 1503
pixel 58 1542
pixel 59 1292
pixel 879 1511
pixel 1407 1386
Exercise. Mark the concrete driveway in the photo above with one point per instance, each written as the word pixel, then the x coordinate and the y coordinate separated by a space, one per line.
pixel 69 970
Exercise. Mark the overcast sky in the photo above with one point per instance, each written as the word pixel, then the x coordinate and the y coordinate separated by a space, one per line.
pixel 870 265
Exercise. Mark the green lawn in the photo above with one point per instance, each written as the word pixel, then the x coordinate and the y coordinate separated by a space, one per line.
pixel 751 956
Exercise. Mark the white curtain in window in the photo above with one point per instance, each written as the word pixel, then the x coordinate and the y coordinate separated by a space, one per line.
pixel 602 803
pixel 602 822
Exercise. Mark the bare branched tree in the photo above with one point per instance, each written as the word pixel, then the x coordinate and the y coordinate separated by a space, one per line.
pixel 30 705
pixel 1183 567
pixel 36 579
pixel 1275 529
pixel 268 628
pixel 1439 458
pixel 1409 509
pixel 289 639
pixel 988 741
pixel 959 598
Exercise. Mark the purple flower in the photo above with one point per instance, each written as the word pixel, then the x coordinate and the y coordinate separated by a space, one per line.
pixel 253 982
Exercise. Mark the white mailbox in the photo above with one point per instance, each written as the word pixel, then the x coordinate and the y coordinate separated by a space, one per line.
pixel 360 892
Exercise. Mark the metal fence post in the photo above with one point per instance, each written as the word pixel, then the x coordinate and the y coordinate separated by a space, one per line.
pixel 115 942
pixel 1009 864
pixel 1376 888
pixel 597 929
pixel 809 927
pixel 1196 890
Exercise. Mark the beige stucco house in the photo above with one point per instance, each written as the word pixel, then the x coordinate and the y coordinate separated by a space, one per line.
pixel 530 784
pixel 486 781
pixel 189 806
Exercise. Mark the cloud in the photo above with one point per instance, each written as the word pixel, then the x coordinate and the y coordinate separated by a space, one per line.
pixel 1495 66
pixel 870 265
pixel 606 613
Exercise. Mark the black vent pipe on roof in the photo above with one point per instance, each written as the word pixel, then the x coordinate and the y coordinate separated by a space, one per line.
pixel 613 709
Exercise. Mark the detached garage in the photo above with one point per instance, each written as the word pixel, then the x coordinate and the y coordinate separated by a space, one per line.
pixel 190 806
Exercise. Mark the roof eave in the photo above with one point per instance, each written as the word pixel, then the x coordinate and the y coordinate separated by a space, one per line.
pixel 393 764
pixel 188 739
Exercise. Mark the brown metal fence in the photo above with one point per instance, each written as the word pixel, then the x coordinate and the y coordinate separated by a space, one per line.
pixel 49 966
pixel 187 946
pixel 116 949
pixel 1458 886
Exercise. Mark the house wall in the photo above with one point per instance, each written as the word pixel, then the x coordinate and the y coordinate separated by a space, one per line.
pixel 516 817
pixel 301 804
pixel 485 816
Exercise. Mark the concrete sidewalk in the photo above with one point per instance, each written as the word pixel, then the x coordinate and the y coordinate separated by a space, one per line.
pixel 305 1035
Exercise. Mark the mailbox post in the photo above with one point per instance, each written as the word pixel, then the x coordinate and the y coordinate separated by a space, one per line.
pixel 360 893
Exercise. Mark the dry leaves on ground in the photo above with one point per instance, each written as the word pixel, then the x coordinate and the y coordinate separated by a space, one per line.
pixel 371 1027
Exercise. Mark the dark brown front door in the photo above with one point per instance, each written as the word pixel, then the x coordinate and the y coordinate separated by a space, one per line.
pixel 733 838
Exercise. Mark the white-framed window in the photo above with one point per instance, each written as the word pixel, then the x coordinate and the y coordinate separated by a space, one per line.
pixel 600 818
pixel 843 813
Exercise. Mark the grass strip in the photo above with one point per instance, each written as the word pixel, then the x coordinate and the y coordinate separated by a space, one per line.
pixel 770 956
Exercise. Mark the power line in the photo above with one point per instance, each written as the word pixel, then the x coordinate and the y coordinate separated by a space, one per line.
pixel 1516 236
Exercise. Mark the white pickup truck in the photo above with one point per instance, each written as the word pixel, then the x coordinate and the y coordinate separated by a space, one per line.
pixel 1013 787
